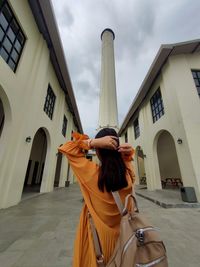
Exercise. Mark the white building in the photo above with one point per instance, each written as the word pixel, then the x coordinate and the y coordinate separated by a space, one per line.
pixel 163 122
pixel 38 110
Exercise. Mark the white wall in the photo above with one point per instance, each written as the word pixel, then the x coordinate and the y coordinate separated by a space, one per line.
pixel 181 120
pixel 189 104
pixel 23 95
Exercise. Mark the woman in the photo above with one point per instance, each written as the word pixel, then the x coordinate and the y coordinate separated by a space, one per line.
pixel 115 172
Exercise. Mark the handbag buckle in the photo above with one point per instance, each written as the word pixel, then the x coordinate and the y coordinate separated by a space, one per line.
pixel 140 236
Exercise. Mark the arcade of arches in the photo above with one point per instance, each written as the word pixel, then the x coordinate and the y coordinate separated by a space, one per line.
pixel 170 174
pixel 166 153
pixel 36 162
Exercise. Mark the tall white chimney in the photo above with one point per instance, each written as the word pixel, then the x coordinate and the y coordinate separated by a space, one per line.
pixel 108 114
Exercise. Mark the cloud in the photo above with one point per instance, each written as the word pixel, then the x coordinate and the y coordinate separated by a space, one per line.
pixel 140 28
pixel 64 15
pixel 84 89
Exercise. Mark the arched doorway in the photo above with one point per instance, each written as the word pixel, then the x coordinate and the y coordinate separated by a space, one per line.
pixel 58 169
pixel 140 166
pixel 34 172
pixel 170 174
pixel 2 117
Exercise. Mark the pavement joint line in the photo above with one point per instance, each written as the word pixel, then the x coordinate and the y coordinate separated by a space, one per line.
pixel 32 196
pixel 40 194
pixel 167 205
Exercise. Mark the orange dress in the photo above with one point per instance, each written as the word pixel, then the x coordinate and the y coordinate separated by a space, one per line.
pixel 101 205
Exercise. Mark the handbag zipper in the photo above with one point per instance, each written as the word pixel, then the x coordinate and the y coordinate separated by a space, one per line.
pixel 152 263
pixel 139 234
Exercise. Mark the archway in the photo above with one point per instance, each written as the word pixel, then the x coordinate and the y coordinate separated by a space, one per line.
pixel 58 169
pixel 140 165
pixel 5 122
pixel 2 117
pixel 34 172
pixel 170 174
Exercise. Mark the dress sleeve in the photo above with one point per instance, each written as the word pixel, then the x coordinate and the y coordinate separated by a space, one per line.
pixel 75 151
pixel 128 160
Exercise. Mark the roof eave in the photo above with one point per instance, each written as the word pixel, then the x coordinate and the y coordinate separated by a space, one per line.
pixel 46 22
pixel 162 56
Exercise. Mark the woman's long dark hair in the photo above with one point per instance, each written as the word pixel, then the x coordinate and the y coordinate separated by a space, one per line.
pixel 112 175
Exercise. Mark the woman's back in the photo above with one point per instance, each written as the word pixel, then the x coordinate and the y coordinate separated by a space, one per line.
pixel 101 205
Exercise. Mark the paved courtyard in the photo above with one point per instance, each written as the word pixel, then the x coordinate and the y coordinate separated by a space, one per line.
pixel 39 232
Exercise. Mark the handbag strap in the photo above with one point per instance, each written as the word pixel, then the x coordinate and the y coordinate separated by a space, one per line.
pixel 118 201
pixel 97 246
pixel 122 210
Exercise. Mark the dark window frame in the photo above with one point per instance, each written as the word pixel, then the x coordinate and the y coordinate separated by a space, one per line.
pixel 136 128
pixel 196 78
pixel 64 126
pixel 49 104
pixel 12 38
pixel 126 137
pixel 157 107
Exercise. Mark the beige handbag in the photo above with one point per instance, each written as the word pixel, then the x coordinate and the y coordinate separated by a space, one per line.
pixel 138 244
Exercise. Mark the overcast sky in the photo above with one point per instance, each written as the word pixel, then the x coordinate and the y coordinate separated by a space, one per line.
pixel 140 27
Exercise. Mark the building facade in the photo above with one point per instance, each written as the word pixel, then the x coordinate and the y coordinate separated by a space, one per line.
pixel 163 122
pixel 38 110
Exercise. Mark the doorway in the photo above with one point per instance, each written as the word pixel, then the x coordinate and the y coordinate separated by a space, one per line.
pixel 35 167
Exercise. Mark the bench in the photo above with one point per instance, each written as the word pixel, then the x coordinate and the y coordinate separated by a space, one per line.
pixel 143 180
pixel 172 182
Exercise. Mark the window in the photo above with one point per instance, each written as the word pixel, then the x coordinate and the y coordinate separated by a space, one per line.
pixel 12 39
pixel 49 102
pixel 136 128
pixel 64 127
pixel 126 137
pixel 196 77
pixel 157 107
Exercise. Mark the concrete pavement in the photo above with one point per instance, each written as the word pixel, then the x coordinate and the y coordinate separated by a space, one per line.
pixel 167 198
pixel 39 232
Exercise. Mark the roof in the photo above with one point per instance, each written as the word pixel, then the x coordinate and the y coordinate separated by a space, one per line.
pixel 162 56
pixel 44 16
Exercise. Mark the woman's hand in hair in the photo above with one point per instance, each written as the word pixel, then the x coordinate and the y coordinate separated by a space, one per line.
pixel 106 142
pixel 125 149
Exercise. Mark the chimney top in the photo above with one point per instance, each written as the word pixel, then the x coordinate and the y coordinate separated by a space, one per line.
pixel 109 30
